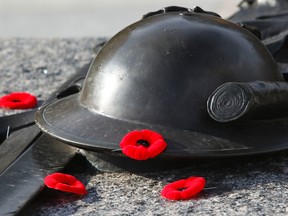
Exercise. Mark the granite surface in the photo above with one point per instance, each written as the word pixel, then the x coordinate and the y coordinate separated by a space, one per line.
pixel 239 186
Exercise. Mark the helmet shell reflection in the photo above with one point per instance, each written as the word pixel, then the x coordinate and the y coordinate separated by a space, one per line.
pixel 162 69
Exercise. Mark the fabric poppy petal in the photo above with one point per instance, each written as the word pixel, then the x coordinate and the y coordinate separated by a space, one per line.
pixel 50 182
pixel 18 100
pixel 142 153
pixel 173 195
pixel 65 182
pixel 152 136
pixel 142 145
pixel 129 138
pixel 171 191
pixel 184 189
pixel 136 152
pixel 158 147
pixel 70 189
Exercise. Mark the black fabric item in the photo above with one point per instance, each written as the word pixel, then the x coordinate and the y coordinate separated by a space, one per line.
pixel 272 22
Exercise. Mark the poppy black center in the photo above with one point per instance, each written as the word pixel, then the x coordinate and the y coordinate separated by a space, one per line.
pixel 66 182
pixel 15 100
pixel 142 142
pixel 181 189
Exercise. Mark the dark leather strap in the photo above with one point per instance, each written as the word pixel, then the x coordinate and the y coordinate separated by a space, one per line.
pixel 12 123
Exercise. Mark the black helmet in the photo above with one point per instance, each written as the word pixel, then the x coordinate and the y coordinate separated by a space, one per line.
pixel 157 74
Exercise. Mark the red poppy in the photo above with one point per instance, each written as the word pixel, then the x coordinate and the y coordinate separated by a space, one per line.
pixel 183 189
pixel 142 145
pixel 18 100
pixel 65 182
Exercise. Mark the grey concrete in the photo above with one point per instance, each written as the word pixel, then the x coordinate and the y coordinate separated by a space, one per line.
pixel 255 186
pixel 82 18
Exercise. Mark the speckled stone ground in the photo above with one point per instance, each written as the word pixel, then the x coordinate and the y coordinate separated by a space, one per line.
pixel 248 187
pixel 254 186
pixel 40 66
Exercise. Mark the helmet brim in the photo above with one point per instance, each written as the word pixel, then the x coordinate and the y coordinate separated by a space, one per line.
pixel 68 121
